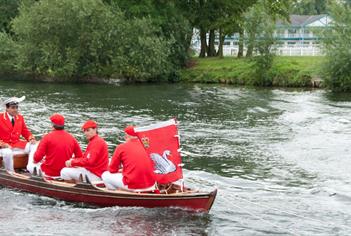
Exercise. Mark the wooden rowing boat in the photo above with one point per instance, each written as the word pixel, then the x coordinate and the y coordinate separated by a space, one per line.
pixel 96 194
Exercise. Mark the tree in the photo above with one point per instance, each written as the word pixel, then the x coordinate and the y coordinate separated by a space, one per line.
pixel 169 20
pixel 8 9
pixel 224 17
pixel 259 27
pixel 337 43
pixel 309 7
pixel 261 17
pixel 231 21
pixel 7 53
pixel 87 38
pixel 213 16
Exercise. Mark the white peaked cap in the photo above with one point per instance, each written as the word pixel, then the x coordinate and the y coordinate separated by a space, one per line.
pixel 13 100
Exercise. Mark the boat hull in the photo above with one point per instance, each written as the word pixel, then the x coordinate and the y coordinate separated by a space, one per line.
pixel 88 194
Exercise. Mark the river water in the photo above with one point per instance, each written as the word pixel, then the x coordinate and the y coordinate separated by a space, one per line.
pixel 281 159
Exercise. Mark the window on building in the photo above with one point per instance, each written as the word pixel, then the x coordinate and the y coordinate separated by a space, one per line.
pixel 306 44
pixel 226 43
pixel 280 31
pixel 280 43
pixel 292 31
pixel 291 44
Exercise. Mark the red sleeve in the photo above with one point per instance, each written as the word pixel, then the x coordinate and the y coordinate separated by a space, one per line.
pixel 116 160
pixel 77 151
pixel 90 157
pixel 82 161
pixel 25 131
pixel 41 150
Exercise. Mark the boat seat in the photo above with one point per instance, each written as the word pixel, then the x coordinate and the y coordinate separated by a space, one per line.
pixel 20 161
pixel 152 189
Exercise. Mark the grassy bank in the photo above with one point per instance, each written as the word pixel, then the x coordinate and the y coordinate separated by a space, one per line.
pixel 285 72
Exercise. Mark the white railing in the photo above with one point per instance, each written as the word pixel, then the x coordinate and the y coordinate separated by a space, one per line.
pixel 298 35
pixel 281 51
pixel 299 51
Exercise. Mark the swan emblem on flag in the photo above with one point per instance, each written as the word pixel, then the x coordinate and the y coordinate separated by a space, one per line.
pixel 162 164
pixel 146 142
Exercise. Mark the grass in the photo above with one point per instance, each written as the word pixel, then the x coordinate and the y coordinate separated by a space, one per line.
pixel 285 71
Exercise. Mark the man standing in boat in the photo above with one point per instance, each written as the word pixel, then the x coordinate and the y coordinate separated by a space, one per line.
pixel 137 172
pixel 94 161
pixel 12 126
pixel 54 149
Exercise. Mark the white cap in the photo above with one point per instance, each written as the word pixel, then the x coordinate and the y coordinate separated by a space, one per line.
pixel 13 100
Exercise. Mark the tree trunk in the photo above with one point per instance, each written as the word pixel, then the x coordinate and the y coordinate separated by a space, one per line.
pixel 220 45
pixel 203 43
pixel 211 47
pixel 241 43
pixel 188 38
pixel 250 45
pixel 249 50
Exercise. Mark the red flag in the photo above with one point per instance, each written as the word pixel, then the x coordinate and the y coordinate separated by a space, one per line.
pixel 161 142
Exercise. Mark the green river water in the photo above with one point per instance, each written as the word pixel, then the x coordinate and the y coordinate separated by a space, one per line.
pixel 281 159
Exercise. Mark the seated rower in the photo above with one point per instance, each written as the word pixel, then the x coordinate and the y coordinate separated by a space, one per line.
pixel 94 161
pixel 54 149
pixel 137 171
pixel 12 126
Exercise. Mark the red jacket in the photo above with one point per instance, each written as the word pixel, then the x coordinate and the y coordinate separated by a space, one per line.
pixel 11 135
pixel 57 147
pixel 138 171
pixel 95 158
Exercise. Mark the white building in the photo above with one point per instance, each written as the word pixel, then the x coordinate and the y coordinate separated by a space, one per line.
pixel 296 38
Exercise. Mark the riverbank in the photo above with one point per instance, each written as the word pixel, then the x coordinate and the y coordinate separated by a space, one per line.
pixel 285 72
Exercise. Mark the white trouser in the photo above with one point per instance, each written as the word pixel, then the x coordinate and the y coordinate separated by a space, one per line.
pixel 113 181
pixel 73 173
pixel 7 155
pixel 31 165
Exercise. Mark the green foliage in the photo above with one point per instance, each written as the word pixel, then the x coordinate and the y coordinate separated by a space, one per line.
pixel 337 42
pixel 147 55
pixel 7 53
pixel 224 16
pixel 262 64
pixel 87 38
pixel 260 27
pixel 310 7
pixel 8 10
pixel 64 38
pixel 177 30
pixel 168 19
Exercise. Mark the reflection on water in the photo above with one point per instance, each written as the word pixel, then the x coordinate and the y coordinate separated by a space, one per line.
pixel 280 158
pixel 52 217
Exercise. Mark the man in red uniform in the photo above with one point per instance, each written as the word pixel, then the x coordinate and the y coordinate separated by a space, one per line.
pixel 137 172
pixel 94 161
pixel 55 148
pixel 12 126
